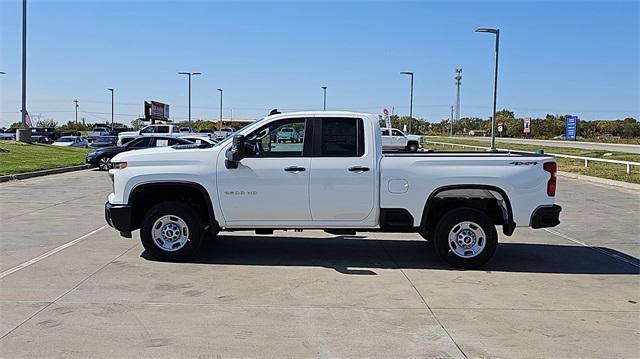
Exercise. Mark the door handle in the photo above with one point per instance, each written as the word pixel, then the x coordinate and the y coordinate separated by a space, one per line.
pixel 358 169
pixel 295 169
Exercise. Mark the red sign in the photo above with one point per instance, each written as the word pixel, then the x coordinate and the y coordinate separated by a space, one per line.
pixel 527 125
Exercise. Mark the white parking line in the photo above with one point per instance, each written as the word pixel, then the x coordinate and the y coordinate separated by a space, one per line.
pixel 49 253
pixel 612 255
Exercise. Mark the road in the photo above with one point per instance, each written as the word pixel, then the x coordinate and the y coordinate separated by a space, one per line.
pixel 71 287
pixel 617 147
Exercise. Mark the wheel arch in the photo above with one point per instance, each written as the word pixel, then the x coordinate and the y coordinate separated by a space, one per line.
pixel 170 190
pixel 502 200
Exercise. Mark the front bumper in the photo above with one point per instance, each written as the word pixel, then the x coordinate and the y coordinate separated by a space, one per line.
pixel 118 216
pixel 545 217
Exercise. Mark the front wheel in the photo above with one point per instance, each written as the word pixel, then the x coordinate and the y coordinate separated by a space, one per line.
pixel 412 147
pixel 171 231
pixel 465 238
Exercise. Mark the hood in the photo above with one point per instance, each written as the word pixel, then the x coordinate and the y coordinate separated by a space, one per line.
pixel 128 133
pixel 166 156
pixel 414 137
pixel 63 144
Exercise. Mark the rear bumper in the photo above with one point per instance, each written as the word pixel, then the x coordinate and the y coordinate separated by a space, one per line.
pixel 118 216
pixel 545 217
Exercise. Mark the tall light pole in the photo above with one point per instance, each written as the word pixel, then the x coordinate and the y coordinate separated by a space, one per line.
pixel 189 74
pixel 458 79
pixel 111 108
pixel 220 106
pixel 324 98
pixel 495 84
pixel 411 99
pixel 23 135
pixel 76 101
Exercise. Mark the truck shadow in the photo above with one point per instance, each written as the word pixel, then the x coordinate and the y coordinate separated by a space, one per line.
pixel 359 256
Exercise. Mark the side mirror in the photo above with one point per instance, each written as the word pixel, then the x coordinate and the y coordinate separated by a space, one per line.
pixel 236 152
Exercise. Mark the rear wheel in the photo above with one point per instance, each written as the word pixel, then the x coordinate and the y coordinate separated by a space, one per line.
pixel 465 238
pixel 104 163
pixel 171 231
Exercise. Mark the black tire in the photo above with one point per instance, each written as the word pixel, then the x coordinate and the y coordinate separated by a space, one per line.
pixel 412 147
pixel 104 163
pixel 182 211
pixel 447 223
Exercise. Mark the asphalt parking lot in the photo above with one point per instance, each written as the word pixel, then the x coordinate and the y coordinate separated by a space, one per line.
pixel 71 287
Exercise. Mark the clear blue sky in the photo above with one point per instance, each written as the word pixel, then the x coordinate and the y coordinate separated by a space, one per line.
pixel 571 57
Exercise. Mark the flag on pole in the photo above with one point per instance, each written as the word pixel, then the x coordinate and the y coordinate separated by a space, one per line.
pixel 27 120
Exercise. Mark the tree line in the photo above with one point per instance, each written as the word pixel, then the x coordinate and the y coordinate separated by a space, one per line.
pixel 548 127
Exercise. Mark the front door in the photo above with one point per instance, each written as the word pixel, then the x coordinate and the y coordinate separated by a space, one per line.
pixel 271 183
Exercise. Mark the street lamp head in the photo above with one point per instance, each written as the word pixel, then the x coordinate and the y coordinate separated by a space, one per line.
pixel 323 87
pixel 196 73
pixel 220 90
pixel 492 31
pixel 110 90
pixel 406 73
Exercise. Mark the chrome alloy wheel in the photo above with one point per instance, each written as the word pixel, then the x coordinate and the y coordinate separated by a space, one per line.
pixel 467 239
pixel 104 163
pixel 170 233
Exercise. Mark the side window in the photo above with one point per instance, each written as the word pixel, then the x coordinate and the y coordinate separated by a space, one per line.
pixel 385 132
pixel 162 129
pixel 284 138
pixel 173 141
pixel 342 137
pixel 149 129
pixel 397 133
pixel 175 129
pixel 141 143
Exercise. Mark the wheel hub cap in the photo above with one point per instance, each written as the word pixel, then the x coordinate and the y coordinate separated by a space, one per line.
pixel 467 239
pixel 170 233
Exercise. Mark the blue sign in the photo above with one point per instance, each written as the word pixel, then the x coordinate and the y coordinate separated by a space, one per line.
pixel 571 128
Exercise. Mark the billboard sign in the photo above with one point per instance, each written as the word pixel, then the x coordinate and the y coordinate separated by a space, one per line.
pixel 154 110
pixel 527 125
pixel 571 128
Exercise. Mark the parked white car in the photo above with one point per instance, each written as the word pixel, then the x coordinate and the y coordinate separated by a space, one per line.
pixel 394 139
pixel 71 141
pixel 337 179
pixel 157 130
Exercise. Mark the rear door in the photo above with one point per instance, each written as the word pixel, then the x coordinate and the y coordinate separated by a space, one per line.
pixel 342 175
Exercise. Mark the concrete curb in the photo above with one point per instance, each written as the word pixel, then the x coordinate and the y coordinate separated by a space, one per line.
pixel 53 171
pixel 599 180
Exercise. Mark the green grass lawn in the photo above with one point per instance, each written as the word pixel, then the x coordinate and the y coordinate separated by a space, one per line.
pixel 596 169
pixel 16 157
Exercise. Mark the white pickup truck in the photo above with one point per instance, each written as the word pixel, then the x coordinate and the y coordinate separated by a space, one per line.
pixel 394 139
pixel 337 179
pixel 156 130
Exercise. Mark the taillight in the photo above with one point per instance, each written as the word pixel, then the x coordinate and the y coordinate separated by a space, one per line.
pixel 552 168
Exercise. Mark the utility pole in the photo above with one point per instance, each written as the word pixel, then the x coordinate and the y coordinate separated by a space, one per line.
pixel 324 98
pixel 451 124
pixel 76 101
pixel 220 105
pixel 458 83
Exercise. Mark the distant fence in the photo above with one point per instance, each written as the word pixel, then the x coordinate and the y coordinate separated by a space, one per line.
pixel 586 160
